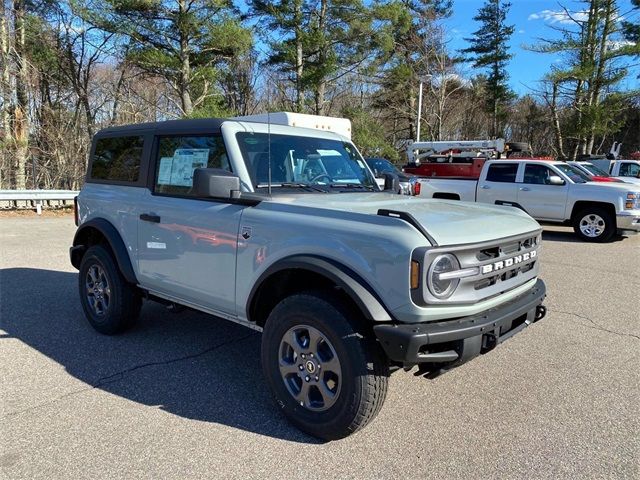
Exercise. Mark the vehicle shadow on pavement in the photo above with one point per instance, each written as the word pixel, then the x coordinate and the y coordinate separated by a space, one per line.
pixel 190 364
pixel 570 237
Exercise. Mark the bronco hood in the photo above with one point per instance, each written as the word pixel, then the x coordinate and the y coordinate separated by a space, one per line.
pixel 448 222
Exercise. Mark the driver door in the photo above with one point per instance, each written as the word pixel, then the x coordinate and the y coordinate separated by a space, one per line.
pixel 538 196
pixel 187 245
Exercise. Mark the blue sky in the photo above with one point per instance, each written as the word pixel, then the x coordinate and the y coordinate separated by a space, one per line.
pixel 532 20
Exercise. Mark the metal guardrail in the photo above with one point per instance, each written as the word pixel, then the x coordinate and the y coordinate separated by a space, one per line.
pixel 16 199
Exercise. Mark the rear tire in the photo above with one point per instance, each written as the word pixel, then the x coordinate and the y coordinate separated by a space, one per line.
pixel 594 224
pixel 326 373
pixel 110 303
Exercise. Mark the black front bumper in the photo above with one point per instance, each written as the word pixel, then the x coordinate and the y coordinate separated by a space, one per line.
pixel 452 342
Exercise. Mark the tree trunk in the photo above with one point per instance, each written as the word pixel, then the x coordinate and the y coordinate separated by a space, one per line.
pixel 116 98
pixel 184 83
pixel 412 112
pixel 6 98
pixel 21 113
pixel 600 69
pixel 587 59
pixel 494 123
pixel 299 65
pixel 557 130
pixel 321 87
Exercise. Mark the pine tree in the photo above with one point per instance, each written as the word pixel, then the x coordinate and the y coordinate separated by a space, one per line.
pixel 591 47
pixel 406 41
pixel 490 50
pixel 317 43
pixel 631 30
pixel 182 41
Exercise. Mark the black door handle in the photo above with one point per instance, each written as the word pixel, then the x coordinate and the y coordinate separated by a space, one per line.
pixel 150 218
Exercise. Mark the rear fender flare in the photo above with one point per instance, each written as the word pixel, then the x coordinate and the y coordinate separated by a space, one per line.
pixel 113 239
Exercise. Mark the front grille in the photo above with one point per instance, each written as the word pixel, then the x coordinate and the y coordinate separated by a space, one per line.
pixel 502 266
pixel 507 275
pixel 506 251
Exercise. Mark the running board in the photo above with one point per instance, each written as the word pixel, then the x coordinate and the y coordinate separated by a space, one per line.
pixel 163 298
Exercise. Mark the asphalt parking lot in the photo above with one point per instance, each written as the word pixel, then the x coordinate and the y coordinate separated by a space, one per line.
pixel 182 395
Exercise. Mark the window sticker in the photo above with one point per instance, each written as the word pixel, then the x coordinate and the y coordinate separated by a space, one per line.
pixel 328 153
pixel 178 170
pixel 164 172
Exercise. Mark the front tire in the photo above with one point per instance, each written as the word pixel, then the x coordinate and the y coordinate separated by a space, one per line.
pixel 594 224
pixel 327 375
pixel 110 304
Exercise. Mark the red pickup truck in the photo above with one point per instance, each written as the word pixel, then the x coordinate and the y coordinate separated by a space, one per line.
pixel 458 159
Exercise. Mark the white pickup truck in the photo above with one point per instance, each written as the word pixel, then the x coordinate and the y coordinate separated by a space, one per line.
pixel 627 170
pixel 597 174
pixel 549 191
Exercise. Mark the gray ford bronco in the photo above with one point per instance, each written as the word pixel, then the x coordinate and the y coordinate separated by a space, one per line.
pixel 284 229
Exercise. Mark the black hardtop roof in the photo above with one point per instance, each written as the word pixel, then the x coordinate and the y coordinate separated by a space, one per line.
pixel 192 125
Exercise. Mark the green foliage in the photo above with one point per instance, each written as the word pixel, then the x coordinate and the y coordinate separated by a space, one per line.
pixel 314 42
pixel 183 41
pixel 591 71
pixel 406 40
pixel 212 107
pixel 42 45
pixel 490 50
pixel 631 30
pixel 369 134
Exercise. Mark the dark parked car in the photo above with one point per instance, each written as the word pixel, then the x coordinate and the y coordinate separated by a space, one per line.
pixel 409 184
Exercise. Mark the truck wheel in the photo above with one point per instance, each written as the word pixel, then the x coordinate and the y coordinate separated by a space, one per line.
pixel 594 224
pixel 110 303
pixel 328 376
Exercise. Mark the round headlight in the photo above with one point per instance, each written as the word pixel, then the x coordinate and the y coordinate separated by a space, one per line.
pixel 439 287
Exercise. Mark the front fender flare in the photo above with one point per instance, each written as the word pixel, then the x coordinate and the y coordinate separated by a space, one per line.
pixel 353 284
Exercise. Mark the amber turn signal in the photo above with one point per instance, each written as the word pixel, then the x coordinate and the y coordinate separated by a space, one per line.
pixel 415 274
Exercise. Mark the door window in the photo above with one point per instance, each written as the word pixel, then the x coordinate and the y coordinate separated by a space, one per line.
pixel 502 172
pixel 537 174
pixel 178 157
pixel 117 159
pixel 629 170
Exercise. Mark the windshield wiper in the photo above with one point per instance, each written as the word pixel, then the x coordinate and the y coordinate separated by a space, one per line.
pixel 351 185
pixel 315 188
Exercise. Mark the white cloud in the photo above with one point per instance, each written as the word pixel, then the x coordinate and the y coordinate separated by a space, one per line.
pixel 563 17
pixel 618 44
pixel 520 31
pixel 439 80
pixel 560 16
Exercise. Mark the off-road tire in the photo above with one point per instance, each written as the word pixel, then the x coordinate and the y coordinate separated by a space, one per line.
pixel 364 366
pixel 609 224
pixel 124 300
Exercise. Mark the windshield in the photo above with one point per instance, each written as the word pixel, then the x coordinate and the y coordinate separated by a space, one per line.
pixel 593 170
pixel 297 161
pixel 381 165
pixel 574 173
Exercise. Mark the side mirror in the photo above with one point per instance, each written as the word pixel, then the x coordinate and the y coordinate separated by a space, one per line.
pixel 215 183
pixel 376 173
pixel 391 182
pixel 556 180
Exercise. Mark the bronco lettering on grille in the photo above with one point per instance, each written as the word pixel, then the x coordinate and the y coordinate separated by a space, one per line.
pixel 509 262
